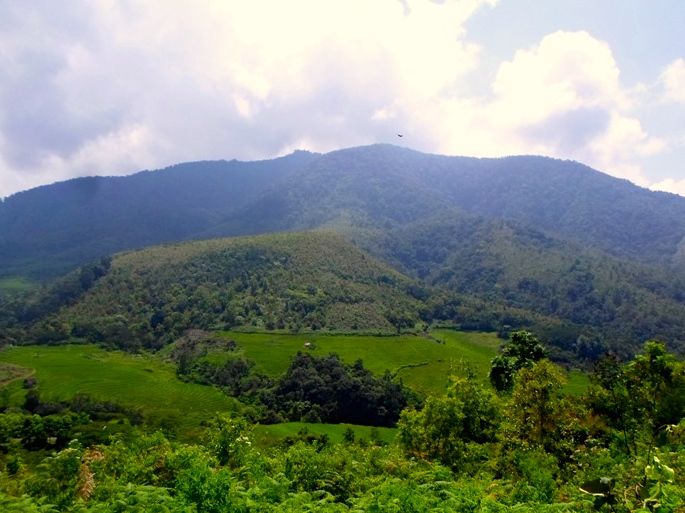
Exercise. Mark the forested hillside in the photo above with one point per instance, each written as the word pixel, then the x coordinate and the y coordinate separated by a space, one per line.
pixel 53 228
pixel 49 230
pixel 287 281
pixel 385 186
pixel 513 242
pixel 606 302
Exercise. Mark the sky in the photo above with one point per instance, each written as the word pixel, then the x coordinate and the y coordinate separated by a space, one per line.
pixel 105 87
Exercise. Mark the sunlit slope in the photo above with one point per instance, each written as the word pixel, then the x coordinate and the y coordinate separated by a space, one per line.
pixel 422 362
pixel 135 381
pixel 310 281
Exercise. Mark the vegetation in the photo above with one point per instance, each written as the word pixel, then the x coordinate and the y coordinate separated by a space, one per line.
pixel 467 450
pixel 141 383
pixel 523 350
pixel 308 281
pixel 589 262
pixel 15 284
pixel 50 230
pixel 583 301
pixel 421 362
pixel 367 399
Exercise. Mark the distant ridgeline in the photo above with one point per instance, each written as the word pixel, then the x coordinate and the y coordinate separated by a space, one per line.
pixel 588 261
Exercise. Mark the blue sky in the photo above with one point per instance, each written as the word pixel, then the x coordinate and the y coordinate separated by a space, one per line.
pixel 113 87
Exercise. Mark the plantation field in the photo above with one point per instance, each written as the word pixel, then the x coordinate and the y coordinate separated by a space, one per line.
pixel 423 363
pixel 13 284
pixel 266 435
pixel 10 373
pixel 134 381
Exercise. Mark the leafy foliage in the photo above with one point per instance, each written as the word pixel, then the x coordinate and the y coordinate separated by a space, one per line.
pixel 446 426
pixel 522 350
pixel 469 450
pixel 289 281
pixel 327 390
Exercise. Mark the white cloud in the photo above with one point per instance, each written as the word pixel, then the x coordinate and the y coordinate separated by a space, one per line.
pixel 673 81
pixel 112 87
pixel 214 79
pixel 563 97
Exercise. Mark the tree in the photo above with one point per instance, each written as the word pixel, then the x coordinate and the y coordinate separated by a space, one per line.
pixel 522 350
pixel 442 430
pixel 536 402
pixel 641 397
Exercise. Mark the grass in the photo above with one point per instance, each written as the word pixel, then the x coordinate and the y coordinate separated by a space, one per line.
pixel 150 384
pixel 423 363
pixel 10 373
pixel 267 435
pixel 135 381
pixel 578 383
pixel 15 284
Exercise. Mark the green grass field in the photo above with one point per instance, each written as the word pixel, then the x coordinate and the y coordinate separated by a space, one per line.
pixel 14 284
pixel 266 435
pixel 423 363
pixel 149 383
pixel 136 381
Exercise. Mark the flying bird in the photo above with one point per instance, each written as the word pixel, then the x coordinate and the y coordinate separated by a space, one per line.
pixel 400 135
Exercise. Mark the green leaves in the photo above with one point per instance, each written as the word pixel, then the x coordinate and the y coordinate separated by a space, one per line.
pixel 522 350
pixel 446 425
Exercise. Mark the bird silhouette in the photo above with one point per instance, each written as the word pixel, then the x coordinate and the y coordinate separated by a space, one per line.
pixel 400 135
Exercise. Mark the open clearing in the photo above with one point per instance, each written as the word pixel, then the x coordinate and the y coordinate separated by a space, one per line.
pixel 14 284
pixel 422 362
pixel 150 384
pixel 135 381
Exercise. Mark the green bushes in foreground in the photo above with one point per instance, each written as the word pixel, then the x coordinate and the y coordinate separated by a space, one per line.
pixel 532 450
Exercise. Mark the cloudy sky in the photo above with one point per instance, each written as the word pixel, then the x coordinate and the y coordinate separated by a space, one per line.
pixel 112 87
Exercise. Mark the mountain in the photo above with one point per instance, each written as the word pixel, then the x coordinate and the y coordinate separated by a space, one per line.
pixel 520 241
pixel 384 186
pixel 617 302
pixel 310 281
pixel 48 230
pixel 53 228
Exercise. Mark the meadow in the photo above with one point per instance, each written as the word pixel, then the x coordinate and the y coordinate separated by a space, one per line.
pixel 421 362
pixel 149 382
pixel 14 284
pixel 136 381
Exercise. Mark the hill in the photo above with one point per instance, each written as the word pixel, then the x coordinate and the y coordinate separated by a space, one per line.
pixel 51 229
pixel 295 281
pixel 383 186
pixel 604 302
pixel 584 258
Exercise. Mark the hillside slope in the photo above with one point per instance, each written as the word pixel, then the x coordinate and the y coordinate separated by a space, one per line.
pixel 48 230
pixel 296 281
pixel 619 303
pixel 385 186
pixel 53 228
